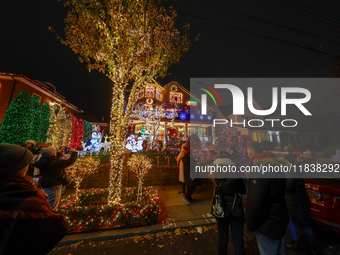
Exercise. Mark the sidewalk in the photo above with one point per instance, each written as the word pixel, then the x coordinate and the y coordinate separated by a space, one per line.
pixel 175 213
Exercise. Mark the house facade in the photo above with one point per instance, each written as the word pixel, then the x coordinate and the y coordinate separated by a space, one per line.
pixel 188 121
pixel 12 84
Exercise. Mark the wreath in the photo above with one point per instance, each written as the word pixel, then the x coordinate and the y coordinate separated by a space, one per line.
pixel 173 88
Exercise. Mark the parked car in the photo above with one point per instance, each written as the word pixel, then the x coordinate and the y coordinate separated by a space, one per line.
pixel 324 196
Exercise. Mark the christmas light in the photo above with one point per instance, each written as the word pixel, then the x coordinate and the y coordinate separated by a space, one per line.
pixel 153 117
pixel 139 164
pixel 93 213
pixel 141 45
pixel 16 126
pixel 82 168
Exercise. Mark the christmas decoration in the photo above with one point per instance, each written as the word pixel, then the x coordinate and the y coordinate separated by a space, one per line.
pixel 94 144
pixel 230 139
pixel 34 113
pixel 142 44
pixel 82 168
pixel 15 126
pixel 153 117
pixel 80 134
pixel 93 213
pixel 44 121
pixel 140 164
pixel 60 128
pixel 68 129
pixel 53 128
pixel 95 128
pixel 87 130
pixel 74 136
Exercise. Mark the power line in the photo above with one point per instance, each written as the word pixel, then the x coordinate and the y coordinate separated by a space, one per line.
pixel 234 13
pixel 305 14
pixel 257 34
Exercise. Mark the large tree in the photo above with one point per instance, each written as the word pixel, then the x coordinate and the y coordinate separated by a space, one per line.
pixel 130 41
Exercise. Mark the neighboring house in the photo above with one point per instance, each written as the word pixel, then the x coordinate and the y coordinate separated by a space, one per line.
pixel 189 120
pixel 12 84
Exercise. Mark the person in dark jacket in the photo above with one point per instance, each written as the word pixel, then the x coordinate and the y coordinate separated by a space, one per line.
pixel 299 209
pixel 266 210
pixel 27 223
pixel 52 170
pixel 231 187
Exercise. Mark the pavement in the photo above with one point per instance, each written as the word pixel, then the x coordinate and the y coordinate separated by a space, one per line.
pixel 175 213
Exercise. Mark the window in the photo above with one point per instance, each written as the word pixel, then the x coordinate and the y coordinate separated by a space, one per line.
pixel 149 92
pixel 176 97
pixel 158 94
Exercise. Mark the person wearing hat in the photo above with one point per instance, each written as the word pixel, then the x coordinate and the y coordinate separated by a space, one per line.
pixel 30 145
pixel 53 174
pixel 41 145
pixel 27 223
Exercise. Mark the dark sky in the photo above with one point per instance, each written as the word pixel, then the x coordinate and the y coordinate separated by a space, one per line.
pixel 246 38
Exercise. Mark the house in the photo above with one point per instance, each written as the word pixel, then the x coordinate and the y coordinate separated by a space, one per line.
pixel 189 120
pixel 12 84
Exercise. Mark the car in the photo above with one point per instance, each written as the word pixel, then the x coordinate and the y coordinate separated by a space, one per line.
pixel 324 196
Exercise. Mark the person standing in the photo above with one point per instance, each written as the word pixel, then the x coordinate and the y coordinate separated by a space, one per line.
pixel 53 175
pixel 191 183
pixel 299 209
pixel 266 210
pixel 181 167
pixel 27 224
pixel 230 187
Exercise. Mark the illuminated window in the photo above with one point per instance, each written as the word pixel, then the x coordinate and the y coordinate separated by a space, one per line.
pixel 158 94
pixel 176 97
pixel 149 92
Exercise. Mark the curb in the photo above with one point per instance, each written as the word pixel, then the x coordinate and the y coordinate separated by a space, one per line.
pixel 135 231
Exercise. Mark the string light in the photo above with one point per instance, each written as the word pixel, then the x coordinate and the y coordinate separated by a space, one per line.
pixel 142 44
pixel 153 117
pixel 68 129
pixel 82 168
pixel 139 164
pixel 52 130
pixel 93 212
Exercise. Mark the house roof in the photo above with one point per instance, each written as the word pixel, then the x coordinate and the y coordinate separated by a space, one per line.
pixel 45 87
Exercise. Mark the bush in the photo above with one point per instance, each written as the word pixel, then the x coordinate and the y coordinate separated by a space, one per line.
pixel 94 213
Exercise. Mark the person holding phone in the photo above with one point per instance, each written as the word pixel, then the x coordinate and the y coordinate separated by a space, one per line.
pixel 52 170
pixel 25 214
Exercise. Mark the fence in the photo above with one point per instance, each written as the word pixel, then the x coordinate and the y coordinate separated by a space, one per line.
pixel 157 158
pixel 104 156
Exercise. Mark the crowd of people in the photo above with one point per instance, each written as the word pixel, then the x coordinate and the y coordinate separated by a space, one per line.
pixel 31 177
pixel 273 205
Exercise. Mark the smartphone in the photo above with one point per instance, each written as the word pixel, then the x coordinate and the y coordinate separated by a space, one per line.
pixel 36 181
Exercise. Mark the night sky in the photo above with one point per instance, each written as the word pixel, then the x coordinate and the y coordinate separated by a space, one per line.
pixel 246 38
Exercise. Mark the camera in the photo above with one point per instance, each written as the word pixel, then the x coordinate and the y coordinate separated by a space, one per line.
pixel 67 149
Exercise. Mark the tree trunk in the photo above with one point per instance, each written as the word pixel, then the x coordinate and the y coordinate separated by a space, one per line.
pixel 118 131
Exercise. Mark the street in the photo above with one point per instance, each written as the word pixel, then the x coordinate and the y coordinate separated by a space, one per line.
pixel 194 240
